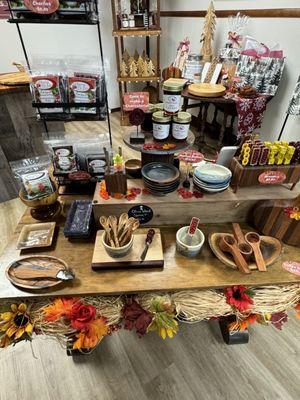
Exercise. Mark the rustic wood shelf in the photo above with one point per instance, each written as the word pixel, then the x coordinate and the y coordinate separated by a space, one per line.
pixel 179 273
pixel 129 79
pixel 225 206
pixel 136 32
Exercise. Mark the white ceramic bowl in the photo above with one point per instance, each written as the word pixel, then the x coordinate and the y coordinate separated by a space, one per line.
pixel 117 252
pixel 184 249
pixel 213 173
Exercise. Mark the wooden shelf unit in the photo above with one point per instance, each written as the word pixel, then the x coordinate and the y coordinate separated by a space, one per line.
pixel 136 32
pixel 119 36
pixel 139 79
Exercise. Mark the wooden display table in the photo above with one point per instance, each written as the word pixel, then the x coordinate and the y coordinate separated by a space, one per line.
pixel 203 272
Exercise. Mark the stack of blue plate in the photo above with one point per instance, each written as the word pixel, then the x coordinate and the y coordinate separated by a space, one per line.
pixel 160 178
pixel 212 178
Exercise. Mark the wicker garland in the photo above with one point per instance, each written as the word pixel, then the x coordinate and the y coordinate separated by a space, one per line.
pixel 190 306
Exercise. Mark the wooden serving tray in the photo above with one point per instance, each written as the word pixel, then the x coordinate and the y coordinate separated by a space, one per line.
pixel 206 89
pixel 28 231
pixel 271 249
pixel 154 258
pixel 35 284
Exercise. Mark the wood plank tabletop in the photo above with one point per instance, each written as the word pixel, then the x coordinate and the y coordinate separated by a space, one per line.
pixel 203 272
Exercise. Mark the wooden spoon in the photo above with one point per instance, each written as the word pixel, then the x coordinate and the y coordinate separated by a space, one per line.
pixel 104 223
pixel 244 247
pixel 113 222
pixel 229 245
pixel 122 222
pixel 126 228
pixel 130 231
pixel 253 239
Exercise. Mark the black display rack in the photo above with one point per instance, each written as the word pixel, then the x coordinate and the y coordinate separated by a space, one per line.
pixel 66 17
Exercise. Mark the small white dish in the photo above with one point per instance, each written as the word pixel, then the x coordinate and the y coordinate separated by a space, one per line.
pixel 213 173
pixel 186 250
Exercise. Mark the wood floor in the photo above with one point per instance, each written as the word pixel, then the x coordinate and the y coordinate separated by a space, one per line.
pixel 195 365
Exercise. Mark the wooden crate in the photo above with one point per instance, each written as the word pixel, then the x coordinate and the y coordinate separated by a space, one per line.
pixel 249 176
pixel 271 218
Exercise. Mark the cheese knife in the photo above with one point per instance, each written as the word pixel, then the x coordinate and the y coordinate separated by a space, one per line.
pixel 148 241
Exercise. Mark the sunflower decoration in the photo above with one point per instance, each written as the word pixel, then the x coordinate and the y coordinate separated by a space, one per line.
pixel 15 325
pixel 164 322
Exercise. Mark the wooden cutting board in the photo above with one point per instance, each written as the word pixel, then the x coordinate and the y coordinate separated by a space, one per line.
pixel 206 90
pixel 154 258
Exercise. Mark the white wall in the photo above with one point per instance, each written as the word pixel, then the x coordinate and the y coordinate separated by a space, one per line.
pixel 286 31
pixel 82 40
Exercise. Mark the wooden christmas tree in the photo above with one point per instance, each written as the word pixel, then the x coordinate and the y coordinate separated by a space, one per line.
pixel 140 66
pixel 133 69
pixel 151 68
pixel 145 69
pixel 208 33
pixel 123 69
pixel 126 56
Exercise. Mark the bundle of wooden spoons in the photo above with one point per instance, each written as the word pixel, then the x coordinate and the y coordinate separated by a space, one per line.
pixel 119 230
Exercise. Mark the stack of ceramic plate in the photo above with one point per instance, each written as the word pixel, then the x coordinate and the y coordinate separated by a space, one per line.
pixel 160 178
pixel 212 178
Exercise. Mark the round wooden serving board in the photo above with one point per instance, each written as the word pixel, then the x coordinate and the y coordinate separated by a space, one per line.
pixel 271 249
pixel 206 89
pixel 35 284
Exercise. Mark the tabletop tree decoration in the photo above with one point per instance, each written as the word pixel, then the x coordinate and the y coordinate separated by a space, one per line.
pixel 151 68
pixel 140 67
pixel 126 56
pixel 123 69
pixel 145 69
pixel 208 33
pixel 133 69
pixel 136 55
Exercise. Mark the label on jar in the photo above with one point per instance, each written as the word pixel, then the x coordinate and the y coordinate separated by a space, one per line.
pixel 180 131
pixel 172 102
pixel 161 131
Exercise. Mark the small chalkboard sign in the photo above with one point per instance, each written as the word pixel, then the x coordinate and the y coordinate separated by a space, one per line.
pixel 142 212
pixel 134 100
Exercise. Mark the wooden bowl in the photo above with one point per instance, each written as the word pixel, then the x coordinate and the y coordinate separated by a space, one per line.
pixel 133 167
pixel 271 249
pixel 43 209
pixel 43 201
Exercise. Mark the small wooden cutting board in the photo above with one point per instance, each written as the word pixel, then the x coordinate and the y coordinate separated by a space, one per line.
pixel 154 258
